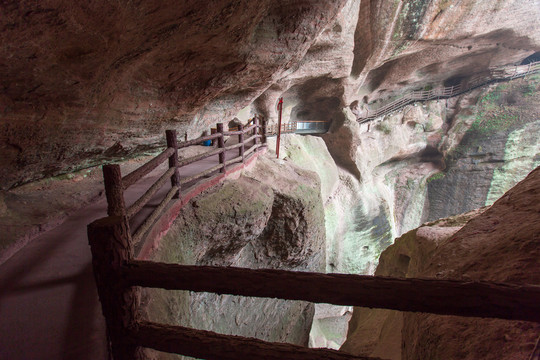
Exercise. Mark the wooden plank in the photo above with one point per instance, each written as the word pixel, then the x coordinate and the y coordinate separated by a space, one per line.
pixel 445 297
pixel 150 220
pixel 143 200
pixel 203 344
pixel 145 169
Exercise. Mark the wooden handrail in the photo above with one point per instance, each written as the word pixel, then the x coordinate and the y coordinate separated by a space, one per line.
pixel 245 130
pixel 252 149
pixel 196 158
pixel 210 345
pixel 234 160
pixel 445 297
pixel 198 140
pixel 149 221
pixel 143 200
pixel 145 169
pixel 250 128
pixel 199 175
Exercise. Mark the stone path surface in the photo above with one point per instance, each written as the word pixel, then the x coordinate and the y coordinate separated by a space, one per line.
pixel 49 307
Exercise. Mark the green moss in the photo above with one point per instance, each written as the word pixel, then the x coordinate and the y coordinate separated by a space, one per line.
pixel 384 127
pixel 436 176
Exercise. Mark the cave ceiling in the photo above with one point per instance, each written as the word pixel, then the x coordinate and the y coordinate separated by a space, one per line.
pixel 85 82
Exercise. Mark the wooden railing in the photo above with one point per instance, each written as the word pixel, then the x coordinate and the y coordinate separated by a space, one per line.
pixel 494 75
pixel 116 185
pixel 119 275
pixel 119 278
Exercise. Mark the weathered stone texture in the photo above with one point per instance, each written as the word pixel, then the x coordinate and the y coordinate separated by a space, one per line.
pixel 265 219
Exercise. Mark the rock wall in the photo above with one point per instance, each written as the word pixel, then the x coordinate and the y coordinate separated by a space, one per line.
pixel 497 149
pixel 499 244
pixel 272 217
pixel 84 84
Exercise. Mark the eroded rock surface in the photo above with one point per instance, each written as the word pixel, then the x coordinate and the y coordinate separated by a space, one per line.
pixel 94 82
pixel 496 244
pixel 265 219
pixel 88 82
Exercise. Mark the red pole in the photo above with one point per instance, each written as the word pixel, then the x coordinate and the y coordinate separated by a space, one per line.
pixel 279 107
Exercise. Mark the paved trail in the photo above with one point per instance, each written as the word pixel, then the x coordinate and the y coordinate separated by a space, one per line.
pixel 49 307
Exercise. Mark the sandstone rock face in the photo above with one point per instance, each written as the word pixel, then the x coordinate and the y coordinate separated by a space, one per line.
pixel 498 244
pixel 408 43
pixel 94 82
pixel 265 219
pixel 87 82
pixel 440 158
pixel 499 148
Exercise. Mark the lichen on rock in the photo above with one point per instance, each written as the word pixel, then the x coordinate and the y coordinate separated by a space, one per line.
pixel 271 217
pixel 499 243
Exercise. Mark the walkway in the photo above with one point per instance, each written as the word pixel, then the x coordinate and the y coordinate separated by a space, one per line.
pixel 302 127
pixel 499 74
pixel 49 307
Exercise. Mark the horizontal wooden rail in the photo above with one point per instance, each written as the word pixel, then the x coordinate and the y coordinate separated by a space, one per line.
pixel 252 149
pixel 235 146
pixel 445 297
pixel 143 200
pixel 251 127
pixel 210 345
pixel 231 133
pixel 149 221
pixel 145 169
pixel 234 160
pixel 251 138
pixel 199 175
pixel 198 140
pixel 196 158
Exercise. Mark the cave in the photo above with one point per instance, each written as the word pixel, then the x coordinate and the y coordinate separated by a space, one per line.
pixel 210 180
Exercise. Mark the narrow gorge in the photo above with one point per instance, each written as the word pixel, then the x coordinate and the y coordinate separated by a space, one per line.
pixel 445 189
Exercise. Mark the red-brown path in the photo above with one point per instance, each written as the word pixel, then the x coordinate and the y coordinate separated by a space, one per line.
pixel 49 307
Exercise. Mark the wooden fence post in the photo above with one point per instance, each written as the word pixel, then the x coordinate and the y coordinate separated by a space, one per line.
pixel 173 159
pixel 212 132
pixel 264 130
pixel 241 141
pixel 114 190
pixel 256 131
pixel 221 145
pixel 110 243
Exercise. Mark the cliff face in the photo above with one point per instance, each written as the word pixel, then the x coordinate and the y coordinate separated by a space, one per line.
pixel 88 83
pixel 265 219
pixel 499 147
pixel 496 244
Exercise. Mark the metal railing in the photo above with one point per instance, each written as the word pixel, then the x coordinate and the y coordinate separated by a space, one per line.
pixel 494 75
pixel 300 127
